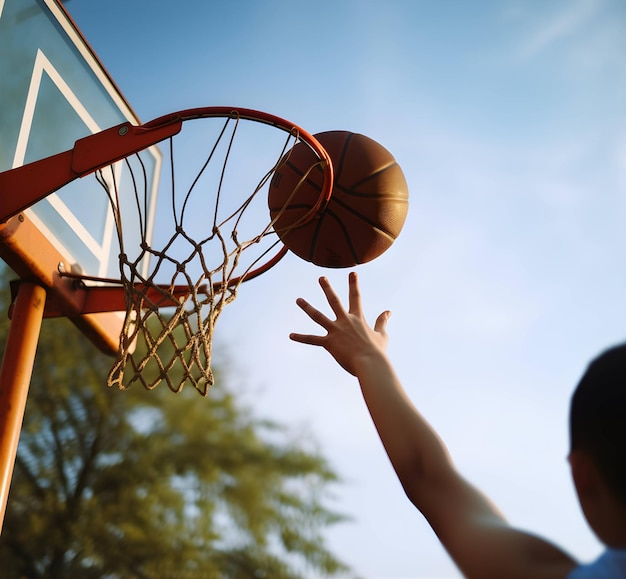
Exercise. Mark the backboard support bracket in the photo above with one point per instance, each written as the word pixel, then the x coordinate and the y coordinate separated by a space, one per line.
pixel 19 234
pixel 22 187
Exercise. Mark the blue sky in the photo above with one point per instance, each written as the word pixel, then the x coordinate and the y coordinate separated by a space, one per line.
pixel 508 118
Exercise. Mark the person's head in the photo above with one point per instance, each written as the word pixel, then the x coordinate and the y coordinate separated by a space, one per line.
pixel 598 442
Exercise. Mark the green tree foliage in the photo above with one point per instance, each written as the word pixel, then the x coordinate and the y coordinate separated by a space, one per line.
pixel 151 484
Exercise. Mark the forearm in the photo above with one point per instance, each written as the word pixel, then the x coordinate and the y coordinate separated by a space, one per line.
pixel 417 454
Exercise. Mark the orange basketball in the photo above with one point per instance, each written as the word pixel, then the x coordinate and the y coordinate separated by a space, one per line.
pixel 367 209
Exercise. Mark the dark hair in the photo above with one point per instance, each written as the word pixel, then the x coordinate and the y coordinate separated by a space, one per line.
pixel 598 417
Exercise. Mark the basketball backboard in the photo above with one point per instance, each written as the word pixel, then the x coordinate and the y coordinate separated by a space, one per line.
pixel 54 92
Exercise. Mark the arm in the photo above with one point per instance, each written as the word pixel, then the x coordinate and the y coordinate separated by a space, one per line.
pixel 473 531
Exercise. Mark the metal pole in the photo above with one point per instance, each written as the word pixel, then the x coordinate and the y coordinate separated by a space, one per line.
pixel 15 374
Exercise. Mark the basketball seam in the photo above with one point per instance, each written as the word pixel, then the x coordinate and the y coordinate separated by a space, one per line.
pixel 345 231
pixel 314 239
pixel 386 196
pixel 374 225
pixel 342 158
pixel 375 175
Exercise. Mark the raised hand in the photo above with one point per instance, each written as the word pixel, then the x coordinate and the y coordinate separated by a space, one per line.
pixel 349 338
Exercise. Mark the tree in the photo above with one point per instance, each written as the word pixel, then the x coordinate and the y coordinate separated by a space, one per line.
pixel 154 484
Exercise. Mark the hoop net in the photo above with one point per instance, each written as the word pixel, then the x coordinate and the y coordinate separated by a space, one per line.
pixel 213 231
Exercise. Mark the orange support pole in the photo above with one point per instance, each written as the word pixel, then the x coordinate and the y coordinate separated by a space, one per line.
pixel 15 374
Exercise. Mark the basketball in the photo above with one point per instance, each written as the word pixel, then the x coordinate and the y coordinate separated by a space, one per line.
pixel 365 214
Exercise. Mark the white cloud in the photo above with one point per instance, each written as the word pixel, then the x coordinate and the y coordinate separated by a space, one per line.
pixel 571 19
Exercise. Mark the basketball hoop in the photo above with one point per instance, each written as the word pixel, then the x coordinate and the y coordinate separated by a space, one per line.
pixel 217 233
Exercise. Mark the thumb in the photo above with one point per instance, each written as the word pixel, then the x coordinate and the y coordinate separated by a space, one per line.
pixel 381 322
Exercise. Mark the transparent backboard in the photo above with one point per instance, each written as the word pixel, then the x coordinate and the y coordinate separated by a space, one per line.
pixel 54 92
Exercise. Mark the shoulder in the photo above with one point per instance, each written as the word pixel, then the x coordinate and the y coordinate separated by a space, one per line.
pixel 610 565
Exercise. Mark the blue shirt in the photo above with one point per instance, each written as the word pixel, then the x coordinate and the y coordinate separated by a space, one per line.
pixel 610 565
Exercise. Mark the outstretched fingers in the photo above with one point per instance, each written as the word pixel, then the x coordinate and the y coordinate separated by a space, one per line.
pixel 349 339
pixel 309 339
pixel 354 295
pixel 333 299
pixel 318 317
pixel 313 313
